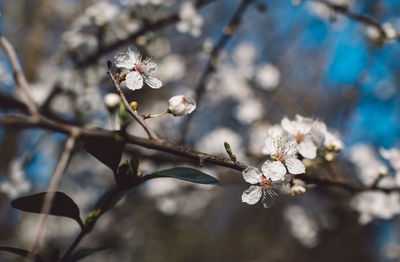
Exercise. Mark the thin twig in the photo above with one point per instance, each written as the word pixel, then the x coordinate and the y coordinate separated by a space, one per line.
pixel 344 10
pixel 228 32
pixel 135 115
pixel 19 76
pixel 55 180
pixel 147 27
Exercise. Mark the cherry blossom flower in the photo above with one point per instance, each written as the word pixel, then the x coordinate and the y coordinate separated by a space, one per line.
pixel 181 105
pixel 308 134
pixel 140 70
pixel 283 150
pixel 263 183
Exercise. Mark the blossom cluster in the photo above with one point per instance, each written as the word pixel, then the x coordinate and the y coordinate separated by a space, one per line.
pixel 372 169
pixel 287 145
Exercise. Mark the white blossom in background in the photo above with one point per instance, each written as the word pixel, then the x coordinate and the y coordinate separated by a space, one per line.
pixel 244 57
pixel 102 13
pixel 143 70
pixel 228 82
pixel 324 12
pixel 393 156
pixel 190 21
pixel 263 183
pixel 368 166
pixel 74 40
pixel 172 68
pixel 376 204
pixel 302 226
pixel 390 32
pixel 245 54
pixel 284 151
pixel 249 110
pixel 213 143
pixel 181 105
pixel 16 184
pixel 332 141
pixel 268 76
pixel 298 187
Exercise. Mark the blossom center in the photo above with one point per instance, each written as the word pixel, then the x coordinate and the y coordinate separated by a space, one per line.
pixel 299 137
pixel 266 183
pixel 279 157
pixel 139 68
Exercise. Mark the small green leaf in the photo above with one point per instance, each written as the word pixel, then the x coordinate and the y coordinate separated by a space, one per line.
pixel 62 205
pixel 84 252
pixel 23 253
pixel 106 150
pixel 185 173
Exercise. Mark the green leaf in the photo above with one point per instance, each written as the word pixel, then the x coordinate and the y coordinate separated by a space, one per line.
pixel 23 253
pixel 106 150
pixel 185 173
pixel 62 205
pixel 84 252
pixel 110 198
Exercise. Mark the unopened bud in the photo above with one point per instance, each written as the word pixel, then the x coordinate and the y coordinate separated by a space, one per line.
pixel 181 105
pixel 111 101
pixel 134 105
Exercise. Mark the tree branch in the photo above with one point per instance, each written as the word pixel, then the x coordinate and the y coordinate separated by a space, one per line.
pixel 19 76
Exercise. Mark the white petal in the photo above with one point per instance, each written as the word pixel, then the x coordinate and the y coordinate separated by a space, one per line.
pixel 269 199
pixel 288 126
pixel 134 81
pixel 252 195
pixel 274 170
pixel 252 175
pixel 269 146
pixel 153 82
pixel 125 59
pixel 295 166
pixel 307 149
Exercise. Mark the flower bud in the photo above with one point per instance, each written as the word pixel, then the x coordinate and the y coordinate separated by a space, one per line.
pixel 134 105
pixel 181 105
pixel 111 101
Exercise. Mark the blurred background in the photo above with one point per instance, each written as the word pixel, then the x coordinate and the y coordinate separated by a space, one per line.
pixel 283 59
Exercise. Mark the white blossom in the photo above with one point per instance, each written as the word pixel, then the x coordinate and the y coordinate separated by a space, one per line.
pixel 393 156
pixel 143 70
pixel 102 13
pixel 190 21
pixel 181 105
pixel 302 226
pixel 249 110
pixel 17 183
pixel 262 184
pixel 368 166
pixel 268 76
pixel 376 204
pixel 284 150
pixel 306 136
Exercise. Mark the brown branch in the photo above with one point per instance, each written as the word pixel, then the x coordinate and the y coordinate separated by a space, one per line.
pixel 228 32
pixel 135 114
pixel 164 146
pixel 147 27
pixel 19 76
